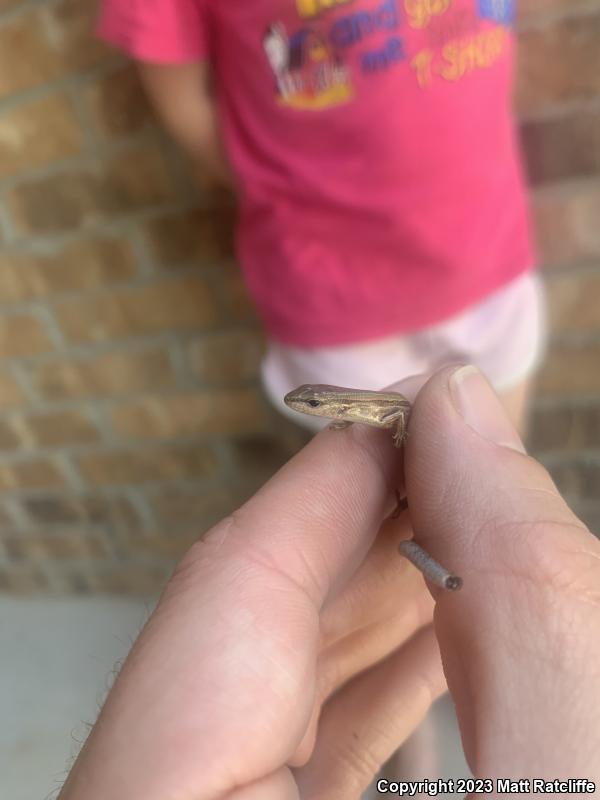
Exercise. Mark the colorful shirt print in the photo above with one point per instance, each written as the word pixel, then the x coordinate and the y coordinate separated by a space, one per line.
pixel 309 73
pixel 380 181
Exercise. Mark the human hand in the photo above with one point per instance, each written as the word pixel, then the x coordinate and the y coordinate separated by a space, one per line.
pixel 521 643
pixel 296 595
pixel 274 610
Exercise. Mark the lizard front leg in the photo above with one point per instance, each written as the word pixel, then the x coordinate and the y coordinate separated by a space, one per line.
pixel 338 426
pixel 400 430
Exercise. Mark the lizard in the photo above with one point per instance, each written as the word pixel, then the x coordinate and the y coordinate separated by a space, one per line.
pixel 387 410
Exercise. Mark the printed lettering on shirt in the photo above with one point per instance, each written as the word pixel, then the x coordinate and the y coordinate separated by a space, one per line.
pixel 477 52
pixel 309 74
pixel 460 57
pixel 354 28
pixel 456 24
pixel 420 12
pixel 315 62
pixel 461 39
pixel 312 8
pixel 421 64
pixel 500 11
pixel 310 64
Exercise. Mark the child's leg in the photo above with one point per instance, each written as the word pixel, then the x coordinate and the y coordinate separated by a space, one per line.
pixel 505 337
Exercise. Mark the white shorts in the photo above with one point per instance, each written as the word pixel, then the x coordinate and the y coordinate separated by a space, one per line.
pixel 504 336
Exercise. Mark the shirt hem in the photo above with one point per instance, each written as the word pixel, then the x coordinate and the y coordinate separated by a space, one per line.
pixel 312 336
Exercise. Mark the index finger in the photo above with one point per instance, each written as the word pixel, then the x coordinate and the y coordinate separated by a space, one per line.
pixel 234 642
pixel 324 506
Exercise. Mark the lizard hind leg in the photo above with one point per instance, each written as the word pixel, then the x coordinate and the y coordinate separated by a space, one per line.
pixel 401 505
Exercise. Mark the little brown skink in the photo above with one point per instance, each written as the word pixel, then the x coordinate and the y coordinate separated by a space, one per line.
pixel 381 410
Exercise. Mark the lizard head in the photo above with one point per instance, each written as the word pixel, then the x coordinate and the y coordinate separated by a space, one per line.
pixel 316 399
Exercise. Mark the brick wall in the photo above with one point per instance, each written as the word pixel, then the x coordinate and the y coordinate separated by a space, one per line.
pixel 559 106
pixel 130 414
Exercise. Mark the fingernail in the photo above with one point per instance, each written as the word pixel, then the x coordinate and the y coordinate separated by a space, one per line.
pixel 479 406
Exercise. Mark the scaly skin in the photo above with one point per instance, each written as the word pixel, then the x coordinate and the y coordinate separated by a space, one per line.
pixel 346 406
pixel 380 410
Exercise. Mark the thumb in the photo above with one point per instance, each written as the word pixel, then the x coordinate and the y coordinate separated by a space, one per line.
pixel 520 643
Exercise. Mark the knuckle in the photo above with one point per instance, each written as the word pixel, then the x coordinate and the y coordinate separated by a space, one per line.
pixel 558 557
pixel 203 551
pixel 330 678
pixel 356 764
pixel 562 563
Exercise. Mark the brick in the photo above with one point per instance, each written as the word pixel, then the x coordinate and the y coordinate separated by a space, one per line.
pixel 567 224
pixel 118 104
pixel 237 300
pixel 551 429
pixel 22 146
pixel 228 357
pixel 11 394
pixel 52 509
pixel 533 8
pixel 7 5
pixel 181 304
pixel 573 303
pixel 562 148
pixel 199 510
pixel 559 62
pixel 169 462
pixel 590 425
pixel 124 516
pixel 195 237
pixel 65 578
pixel 567 479
pixel 107 375
pixel 130 578
pixel 566 428
pixel 72 579
pixel 589 513
pixel 68 508
pixel 60 428
pixel 571 370
pixel 6 518
pixel 261 454
pixel 47 42
pixel 214 412
pixel 9 438
pixel 78 266
pixel 577 479
pixel 22 335
pixel 61 545
pixel 171 543
pixel 48 429
pixel 22 579
pixel 37 473
pixel 103 190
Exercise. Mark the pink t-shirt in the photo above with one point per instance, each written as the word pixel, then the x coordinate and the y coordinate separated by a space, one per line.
pixel 380 180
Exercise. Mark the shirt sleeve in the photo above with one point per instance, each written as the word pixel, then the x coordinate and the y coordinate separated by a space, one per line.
pixel 160 31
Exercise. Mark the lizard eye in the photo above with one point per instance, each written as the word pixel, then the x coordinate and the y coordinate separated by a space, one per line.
pixel 314 403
